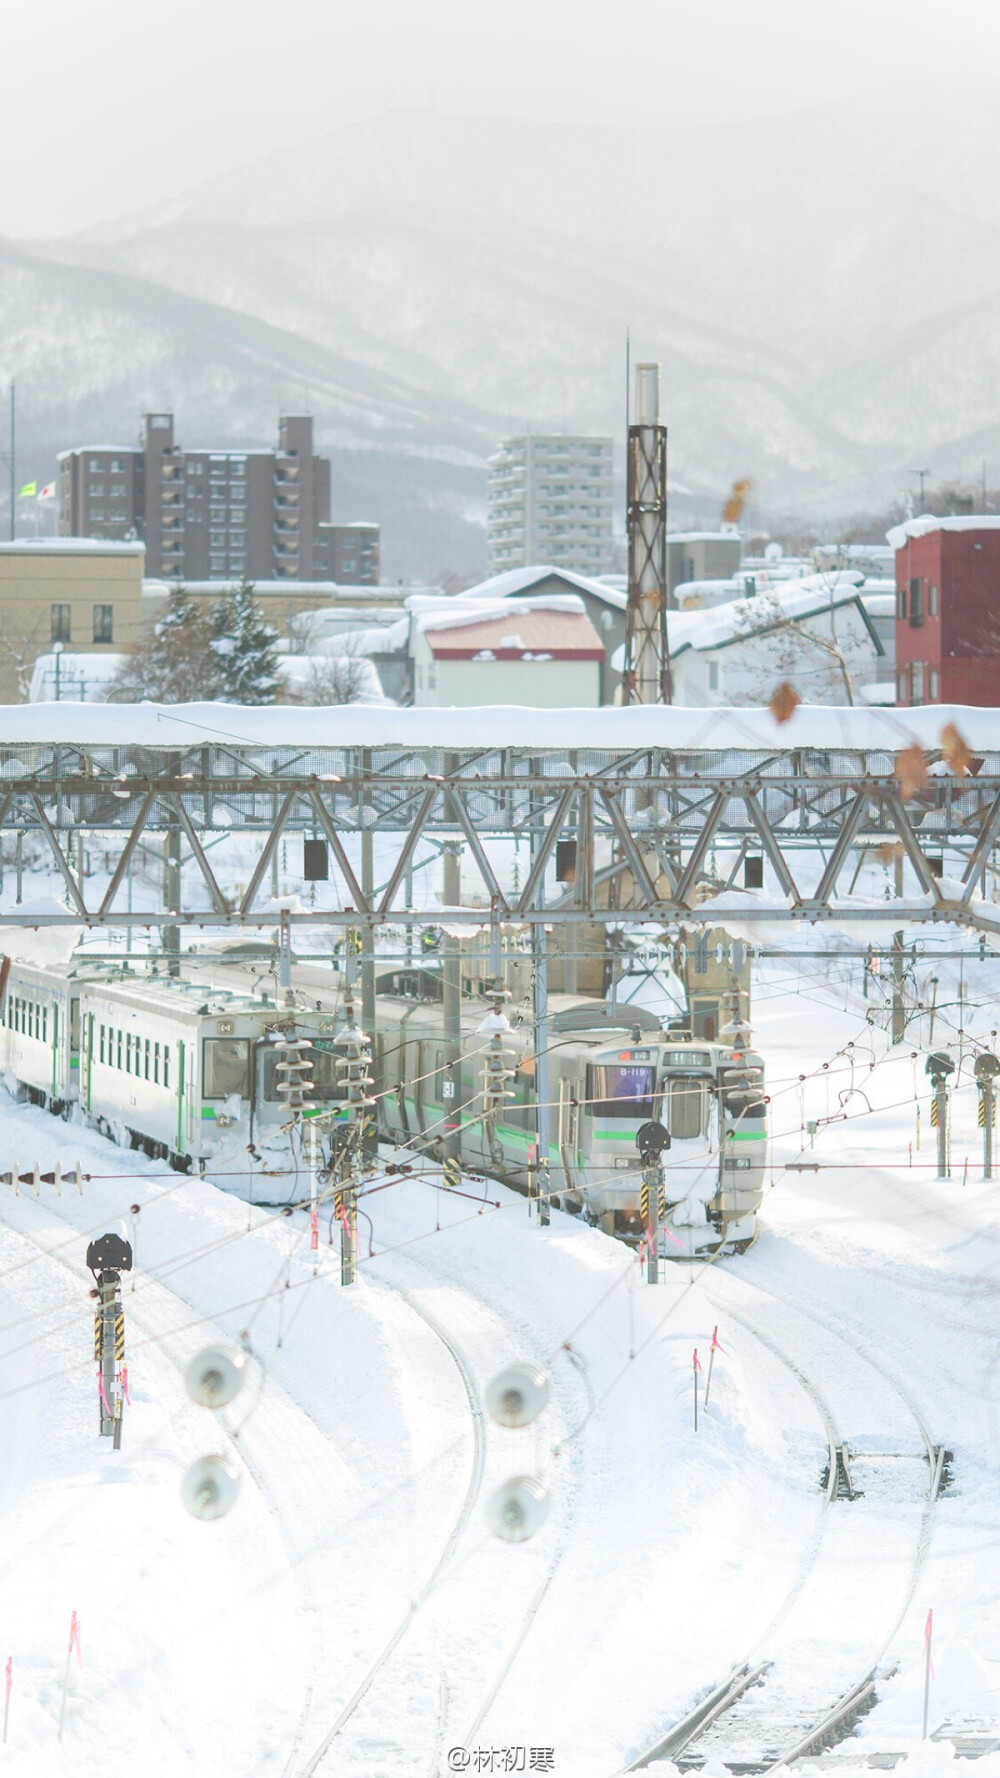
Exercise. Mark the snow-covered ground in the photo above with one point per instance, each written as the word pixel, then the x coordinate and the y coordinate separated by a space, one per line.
pixel 353 1614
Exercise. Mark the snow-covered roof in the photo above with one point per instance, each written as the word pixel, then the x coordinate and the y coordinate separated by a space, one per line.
pixel 457 613
pixel 879 604
pixel 518 727
pixel 718 626
pixel 90 671
pixel 927 524
pixel 730 536
pixel 154 588
pixel 297 670
pixel 521 580
pixel 531 629
pixel 71 546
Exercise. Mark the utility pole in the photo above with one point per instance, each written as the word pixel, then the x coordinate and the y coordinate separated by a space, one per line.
pixel 451 974
pixel 13 468
pixel 368 931
pixel 646 677
pixel 922 474
pixel 172 878
pixel 898 1003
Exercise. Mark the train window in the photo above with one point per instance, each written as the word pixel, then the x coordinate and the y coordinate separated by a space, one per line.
pixel 683 1106
pixel 128 1052
pixel 166 1064
pixel 521 1112
pixel 619 1089
pixel 225 1067
pixel 31 1018
pixel 118 1047
pixel 145 1069
pixel 101 1044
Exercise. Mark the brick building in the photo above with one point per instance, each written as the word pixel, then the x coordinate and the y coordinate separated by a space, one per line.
pixel 947 610
pixel 214 514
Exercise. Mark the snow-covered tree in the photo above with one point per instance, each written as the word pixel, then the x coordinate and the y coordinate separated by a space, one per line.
pixel 244 649
pixel 174 664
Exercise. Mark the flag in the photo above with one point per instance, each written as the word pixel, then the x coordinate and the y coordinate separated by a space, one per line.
pixel 48 492
pixel 27 491
pixel 717 1345
pixel 697 1361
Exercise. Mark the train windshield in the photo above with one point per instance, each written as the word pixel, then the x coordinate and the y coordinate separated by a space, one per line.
pixel 225 1067
pixel 619 1089
pixel 683 1107
pixel 324 1086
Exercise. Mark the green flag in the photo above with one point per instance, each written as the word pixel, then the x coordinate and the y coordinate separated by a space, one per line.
pixel 27 491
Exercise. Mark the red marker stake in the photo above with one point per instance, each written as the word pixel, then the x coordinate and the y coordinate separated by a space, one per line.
pixel 74 1642
pixel 715 1347
pixel 6 1701
pixel 695 1369
pixel 928 1666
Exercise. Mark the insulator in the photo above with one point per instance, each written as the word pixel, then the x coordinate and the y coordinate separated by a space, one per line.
pixel 517 1395
pixel 518 1509
pixel 210 1487
pixel 215 1376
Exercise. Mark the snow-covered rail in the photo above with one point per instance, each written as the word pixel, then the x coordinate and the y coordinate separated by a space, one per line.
pixel 812 1672
pixel 313 1763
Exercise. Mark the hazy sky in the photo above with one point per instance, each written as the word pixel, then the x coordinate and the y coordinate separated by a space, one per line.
pixel 108 105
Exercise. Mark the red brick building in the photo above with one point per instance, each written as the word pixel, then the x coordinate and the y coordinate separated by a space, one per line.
pixel 947 610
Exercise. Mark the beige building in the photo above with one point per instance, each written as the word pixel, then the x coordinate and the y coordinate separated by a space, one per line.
pixel 84 595
pixel 541 652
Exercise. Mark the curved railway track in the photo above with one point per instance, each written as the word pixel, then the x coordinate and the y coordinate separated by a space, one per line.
pixel 772 1709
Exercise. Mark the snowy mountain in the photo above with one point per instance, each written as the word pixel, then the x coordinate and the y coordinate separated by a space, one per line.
pixel 822 290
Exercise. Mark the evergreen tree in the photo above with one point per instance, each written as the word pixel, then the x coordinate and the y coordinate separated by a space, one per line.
pixel 174 664
pixel 243 647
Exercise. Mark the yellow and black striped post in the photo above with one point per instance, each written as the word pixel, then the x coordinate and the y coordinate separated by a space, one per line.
pixel 649 1199
pixel 98 1325
pixel 120 1337
pixel 452 1173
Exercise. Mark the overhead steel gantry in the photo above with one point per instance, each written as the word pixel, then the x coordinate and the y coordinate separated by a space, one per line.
pixel 649 824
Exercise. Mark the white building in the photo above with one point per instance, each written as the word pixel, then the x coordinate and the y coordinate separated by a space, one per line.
pixel 816 633
pixel 542 652
pixel 550 499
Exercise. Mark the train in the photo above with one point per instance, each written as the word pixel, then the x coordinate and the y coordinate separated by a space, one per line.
pixel 186 1068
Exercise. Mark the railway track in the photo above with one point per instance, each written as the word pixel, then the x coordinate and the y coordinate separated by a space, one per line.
pixel 472 1492
pixel 813 1671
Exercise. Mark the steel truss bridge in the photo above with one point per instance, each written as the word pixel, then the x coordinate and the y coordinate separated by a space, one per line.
pixel 648 824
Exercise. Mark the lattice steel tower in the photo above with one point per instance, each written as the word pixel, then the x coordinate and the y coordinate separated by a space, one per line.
pixel 647 658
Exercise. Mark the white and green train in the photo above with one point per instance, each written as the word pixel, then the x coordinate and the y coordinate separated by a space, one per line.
pixel 609 1073
pixel 186 1069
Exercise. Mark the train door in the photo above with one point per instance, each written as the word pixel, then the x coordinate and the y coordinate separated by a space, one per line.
pixel 55 1050
pixel 181 1091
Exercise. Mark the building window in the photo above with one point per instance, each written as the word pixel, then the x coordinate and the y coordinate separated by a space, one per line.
pixel 916 603
pixel 932 601
pixel 901 602
pixel 95 466
pixel 61 623
pixel 96 490
pixel 916 682
pixel 217 539
pixel 901 688
pixel 117 466
pixel 104 623
pixel 933 684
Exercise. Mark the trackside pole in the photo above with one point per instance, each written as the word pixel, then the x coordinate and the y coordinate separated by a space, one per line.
pixel 74 1642
pixel 714 1348
pixel 928 1666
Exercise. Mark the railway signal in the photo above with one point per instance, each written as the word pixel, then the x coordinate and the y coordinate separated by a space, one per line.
pixel 940 1066
pixel 987 1067
pixel 652 1139
pixel 108 1256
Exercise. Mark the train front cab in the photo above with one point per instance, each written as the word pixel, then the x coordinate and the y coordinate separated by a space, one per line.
pixel 619 1096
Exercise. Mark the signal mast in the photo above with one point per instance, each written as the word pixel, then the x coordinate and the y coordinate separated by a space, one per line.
pixel 646 677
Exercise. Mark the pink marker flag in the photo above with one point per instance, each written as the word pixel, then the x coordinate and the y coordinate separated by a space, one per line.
pixel 74 1639
pixel 6 1701
pixel 697 1360
pixel 928 1667
pixel 128 1399
pixel 314 1230
pixel 717 1345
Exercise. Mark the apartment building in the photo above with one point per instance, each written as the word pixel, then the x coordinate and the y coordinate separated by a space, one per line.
pixel 347 554
pixel 947 629
pixel 550 500
pixel 208 514
pixel 67 593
